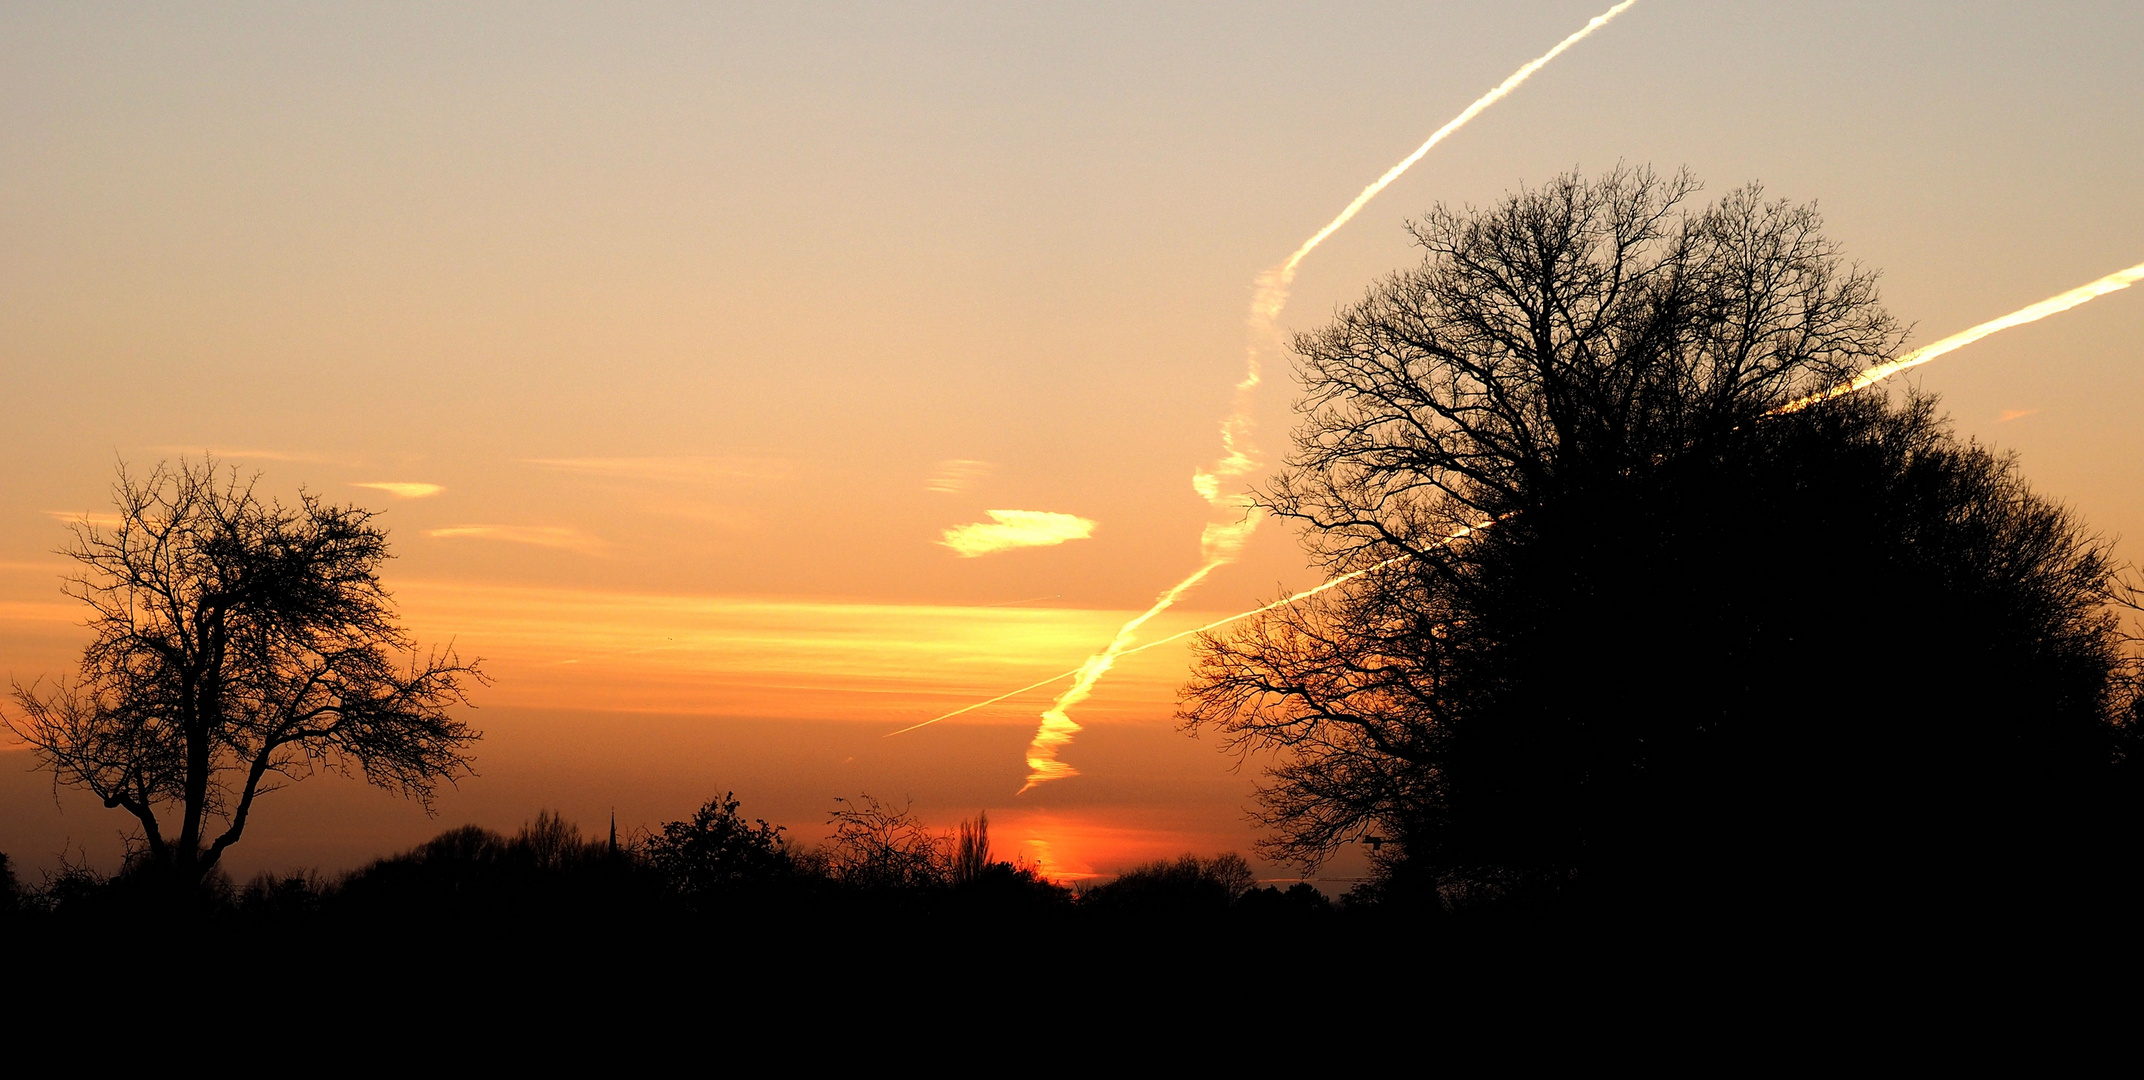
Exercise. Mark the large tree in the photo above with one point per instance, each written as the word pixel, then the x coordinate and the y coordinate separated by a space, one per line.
pixel 238 644
pixel 1702 648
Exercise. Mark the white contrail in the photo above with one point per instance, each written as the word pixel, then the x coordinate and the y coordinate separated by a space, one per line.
pixel 1273 288
pixel 2114 282
pixel 1219 544
pixel 1223 540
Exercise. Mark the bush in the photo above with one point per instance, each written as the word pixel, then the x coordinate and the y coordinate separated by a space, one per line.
pixel 1184 886
pixel 716 853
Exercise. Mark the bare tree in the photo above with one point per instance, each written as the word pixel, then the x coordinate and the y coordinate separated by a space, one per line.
pixel 1682 636
pixel 876 846
pixel 971 849
pixel 1575 331
pixel 238 645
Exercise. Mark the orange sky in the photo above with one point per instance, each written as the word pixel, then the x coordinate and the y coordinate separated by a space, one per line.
pixel 671 342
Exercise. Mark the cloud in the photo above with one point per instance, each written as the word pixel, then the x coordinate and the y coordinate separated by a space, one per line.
pixel 954 475
pixel 2012 414
pixel 765 656
pixel 102 521
pixel 670 470
pixel 402 489
pixel 550 536
pixel 1010 529
pixel 226 453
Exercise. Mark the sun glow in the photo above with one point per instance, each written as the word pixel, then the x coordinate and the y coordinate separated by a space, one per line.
pixel 1095 843
pixel 753 656
pixel 1155 644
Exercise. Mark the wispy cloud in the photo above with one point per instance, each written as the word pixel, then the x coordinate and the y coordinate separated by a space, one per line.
pixel 670 470
pixel 402 489
pixel 102 521
pixel 1010 529
pixel 955 475
pixel 550 536
pixel 2012 414
pixel 762 656
pixel 229 453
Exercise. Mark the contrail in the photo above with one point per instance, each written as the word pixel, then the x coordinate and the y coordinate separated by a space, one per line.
pixel 2114 282
pixel 1223 540
pixel 1219 544
pixel 1135 650
pixel 1273 286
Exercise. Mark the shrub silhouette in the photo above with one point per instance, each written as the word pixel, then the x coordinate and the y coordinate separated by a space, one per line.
pixel 546 871
pixel 876 847
pixel 1300 900
pixel 717 854
pixel 11 894
pixel 284 898
pixel 1182 887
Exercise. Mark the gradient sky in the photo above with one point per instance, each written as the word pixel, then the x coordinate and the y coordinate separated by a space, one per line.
pixel 707 322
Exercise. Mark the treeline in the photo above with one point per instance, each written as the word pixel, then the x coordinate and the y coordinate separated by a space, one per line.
pixel 878 862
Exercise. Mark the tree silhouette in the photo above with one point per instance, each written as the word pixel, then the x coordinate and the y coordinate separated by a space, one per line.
pixel 971 850
pixel 1704 655
pixel 1186 886
pixel 717 853
pixel 878 847
pixel 1571 334
pixel 238 644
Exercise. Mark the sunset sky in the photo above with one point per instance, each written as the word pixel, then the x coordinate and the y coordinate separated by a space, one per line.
pixel 672 340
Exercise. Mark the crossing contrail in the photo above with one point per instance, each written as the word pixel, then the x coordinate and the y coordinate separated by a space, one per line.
pixel 1155 644
pixel 1221 542
pixel 2114 282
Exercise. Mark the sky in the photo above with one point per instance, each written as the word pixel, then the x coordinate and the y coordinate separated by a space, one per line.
pixel 670 341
